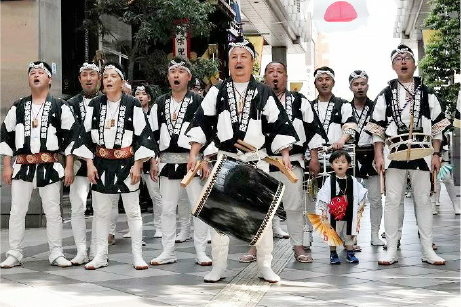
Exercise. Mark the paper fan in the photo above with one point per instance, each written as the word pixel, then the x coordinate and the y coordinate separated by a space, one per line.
pixel 324 229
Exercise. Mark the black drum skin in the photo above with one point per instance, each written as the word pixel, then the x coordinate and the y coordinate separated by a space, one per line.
pixel 239 199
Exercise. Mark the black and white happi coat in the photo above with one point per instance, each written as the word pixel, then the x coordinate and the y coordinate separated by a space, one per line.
pixel 364 161
pixel 171 134
pixel 57 126
pixel 262 122
pixel 131 129
pixel 388 119
pixel 337 120
pixel 79 103
pixel 301 115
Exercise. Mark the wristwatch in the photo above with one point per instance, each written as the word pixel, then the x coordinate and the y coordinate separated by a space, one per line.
pixel 437 153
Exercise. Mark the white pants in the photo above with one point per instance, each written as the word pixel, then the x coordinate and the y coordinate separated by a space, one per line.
pixel 113 213
pixel 293 205
pixel 102 205
pixel 184 212
pixel 376 207
pixel 154 192
pixel 341 230
pixel 264 248
pixel 21 192
pixel 450 186
pixel 170 190
pixel 395 185
pixel 78 195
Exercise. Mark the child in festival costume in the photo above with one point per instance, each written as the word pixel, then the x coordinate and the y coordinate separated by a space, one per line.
pixel 342 203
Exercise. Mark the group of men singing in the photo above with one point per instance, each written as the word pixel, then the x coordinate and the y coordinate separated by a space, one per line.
pixel 110 140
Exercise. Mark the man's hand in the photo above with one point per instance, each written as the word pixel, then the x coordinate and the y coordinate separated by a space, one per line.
pixel 7 174
pixel 379 158
pixel 339 144
pixel 286 158
pixel 435 163
pixel 153 172
pixel 194 150
pixel 92 173
pixel 68 175
pixel 135 172
pixel 205 171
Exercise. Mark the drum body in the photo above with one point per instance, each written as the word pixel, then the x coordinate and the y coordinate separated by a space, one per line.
pixel 419 147
pixel 238 199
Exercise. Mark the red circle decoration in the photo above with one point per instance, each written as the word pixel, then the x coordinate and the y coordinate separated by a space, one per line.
pixel 340 11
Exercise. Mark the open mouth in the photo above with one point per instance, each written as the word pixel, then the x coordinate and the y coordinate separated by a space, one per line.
pixel 36 81
pixel 176 82
pixel 360 92
pixel 239 67
pixel 404 69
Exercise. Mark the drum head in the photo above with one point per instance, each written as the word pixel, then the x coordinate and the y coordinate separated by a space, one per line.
pixel 415 153
pixel 239 199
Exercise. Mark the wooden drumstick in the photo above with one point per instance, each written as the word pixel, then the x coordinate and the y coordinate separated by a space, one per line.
pixel 191 174
pixel 434 180
pixel 244 146
pixel 381 180
pixel 285 170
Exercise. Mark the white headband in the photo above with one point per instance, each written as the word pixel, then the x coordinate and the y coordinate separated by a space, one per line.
pixel 354 76
pixel 182 64
pixel 140 89
pixel 91 66
pixel 38 66
pixel 116 69
pixel 401 52
pixel 242 45
pixel 319 72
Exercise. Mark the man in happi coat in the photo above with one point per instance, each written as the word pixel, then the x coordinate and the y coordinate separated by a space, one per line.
pixel 240 108
pixel 170 116
pixel 404 101
pixel 35 130
pixel 115 142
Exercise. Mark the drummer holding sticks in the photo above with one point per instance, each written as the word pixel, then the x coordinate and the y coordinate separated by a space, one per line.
pixel 363 107
pixel 300 112
pixel 242 109
pixel 406 106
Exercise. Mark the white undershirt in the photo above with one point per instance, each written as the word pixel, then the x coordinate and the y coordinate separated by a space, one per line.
pixel 405 115
pixel 174 107
pixel 112 113
pixel 323 106
pixel 86 102
pixel 35 131
pixel 241 88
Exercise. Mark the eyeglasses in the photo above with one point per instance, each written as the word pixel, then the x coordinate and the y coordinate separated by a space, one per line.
pixel 400 59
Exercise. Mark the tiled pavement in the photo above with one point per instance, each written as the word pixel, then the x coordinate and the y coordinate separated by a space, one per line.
pixel 408 283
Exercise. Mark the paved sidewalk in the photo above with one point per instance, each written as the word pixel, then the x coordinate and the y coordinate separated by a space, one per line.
pixel 407 283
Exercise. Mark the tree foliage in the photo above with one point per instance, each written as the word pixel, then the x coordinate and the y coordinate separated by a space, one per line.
pixel 153 22
pixel 442 57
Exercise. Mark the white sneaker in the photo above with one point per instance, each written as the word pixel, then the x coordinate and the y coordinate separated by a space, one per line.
pixel 182 236
pixel 140 264
pixel 215 275
pixel 79 259
pixel 432 258
pixel 10 262
pixel 279 233
pixel 376 241
pixel 158 233
pixel 164 258
pixel 268 275
pixel 61 262
pixel 96 263
pixel 202 259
